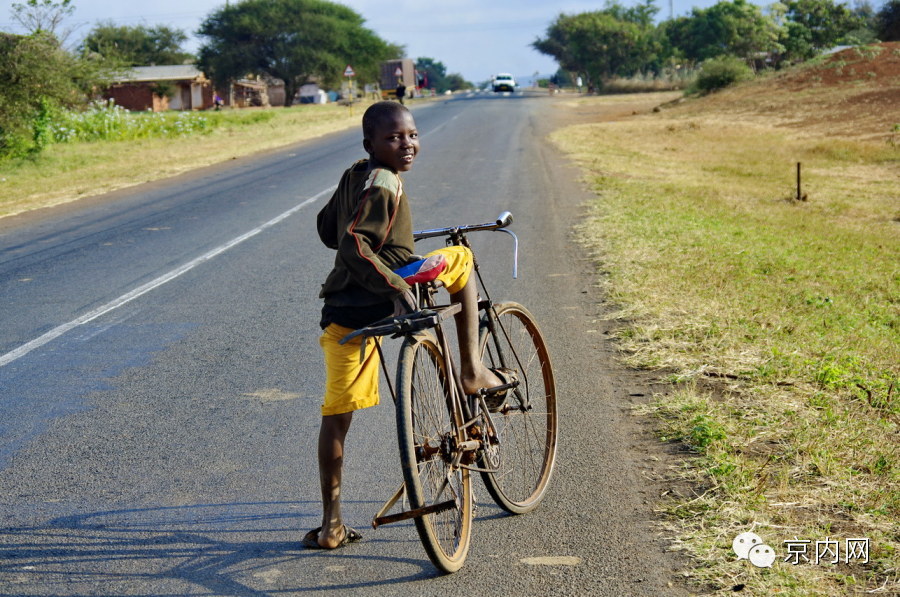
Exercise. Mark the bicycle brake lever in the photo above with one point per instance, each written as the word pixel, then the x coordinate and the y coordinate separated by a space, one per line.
pixel 515 249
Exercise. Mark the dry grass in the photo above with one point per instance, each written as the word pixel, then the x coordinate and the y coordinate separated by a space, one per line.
pixel 779 321
pixel 851 94
pixel 669 80
pixel 67 172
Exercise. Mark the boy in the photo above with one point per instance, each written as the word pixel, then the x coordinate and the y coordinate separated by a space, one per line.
pixel 367 220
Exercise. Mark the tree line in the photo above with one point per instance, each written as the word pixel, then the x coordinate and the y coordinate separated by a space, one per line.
pixel 291 40
pixel 620 41
pixel 299 40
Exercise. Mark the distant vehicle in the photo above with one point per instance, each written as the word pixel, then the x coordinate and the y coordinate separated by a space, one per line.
pixel 395 72
pixel 504 82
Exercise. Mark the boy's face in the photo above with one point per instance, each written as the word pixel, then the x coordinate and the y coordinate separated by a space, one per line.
pixel 395 142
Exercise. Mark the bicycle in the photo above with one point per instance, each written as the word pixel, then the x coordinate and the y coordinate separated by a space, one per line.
pixel 444 434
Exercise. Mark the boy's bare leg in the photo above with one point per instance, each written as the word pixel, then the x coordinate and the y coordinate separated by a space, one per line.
pixel 332 434
pixel 474 374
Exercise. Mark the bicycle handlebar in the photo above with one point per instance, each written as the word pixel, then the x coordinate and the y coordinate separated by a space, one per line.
pixel 502 221
pixel 499 224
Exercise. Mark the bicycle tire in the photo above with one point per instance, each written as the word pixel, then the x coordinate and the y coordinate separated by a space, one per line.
pixel 523 458
pixel 425 434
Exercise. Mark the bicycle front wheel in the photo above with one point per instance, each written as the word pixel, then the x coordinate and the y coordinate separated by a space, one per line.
pixel 427 433
pixel 522 455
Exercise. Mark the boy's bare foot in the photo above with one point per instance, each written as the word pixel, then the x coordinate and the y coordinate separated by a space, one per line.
pixel 332 537
pixel 481 378
pixel 342 535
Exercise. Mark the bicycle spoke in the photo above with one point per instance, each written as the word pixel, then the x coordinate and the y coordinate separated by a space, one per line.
pixel 426 439
pixel 522 461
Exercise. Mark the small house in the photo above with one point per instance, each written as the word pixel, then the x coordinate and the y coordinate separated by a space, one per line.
pixel 159 88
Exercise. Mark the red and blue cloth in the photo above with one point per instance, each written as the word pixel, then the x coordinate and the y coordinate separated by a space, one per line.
pixel 423 270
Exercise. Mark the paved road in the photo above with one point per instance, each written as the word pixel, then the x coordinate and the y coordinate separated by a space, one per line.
pixel 160 379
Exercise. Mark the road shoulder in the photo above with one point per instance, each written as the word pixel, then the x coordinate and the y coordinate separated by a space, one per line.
pixel 641 469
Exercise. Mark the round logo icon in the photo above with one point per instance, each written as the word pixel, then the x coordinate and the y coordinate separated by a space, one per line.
pixel 762 556
pixel 743 543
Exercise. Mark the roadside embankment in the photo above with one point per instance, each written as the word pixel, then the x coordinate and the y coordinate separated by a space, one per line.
pixel 775 314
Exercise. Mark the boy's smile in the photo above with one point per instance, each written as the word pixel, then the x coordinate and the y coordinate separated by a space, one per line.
pixel 395 142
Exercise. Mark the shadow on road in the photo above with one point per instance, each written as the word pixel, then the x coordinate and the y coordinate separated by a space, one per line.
pixel 225 549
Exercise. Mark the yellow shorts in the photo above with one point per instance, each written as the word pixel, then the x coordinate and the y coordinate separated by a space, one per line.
pixel 349 384
pixel 353 385
pixel 459 267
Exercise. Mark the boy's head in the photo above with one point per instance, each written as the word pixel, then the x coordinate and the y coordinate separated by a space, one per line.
pixel 390 136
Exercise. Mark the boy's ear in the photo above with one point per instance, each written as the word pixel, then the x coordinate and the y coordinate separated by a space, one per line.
pixel 367 145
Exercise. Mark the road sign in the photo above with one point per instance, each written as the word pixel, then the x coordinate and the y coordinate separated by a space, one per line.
pixel 348 72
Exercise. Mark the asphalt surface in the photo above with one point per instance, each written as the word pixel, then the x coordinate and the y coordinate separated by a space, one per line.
pixel 160 382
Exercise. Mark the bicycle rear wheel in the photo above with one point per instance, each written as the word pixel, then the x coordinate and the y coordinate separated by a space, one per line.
pixel 427 437
pixel 523 454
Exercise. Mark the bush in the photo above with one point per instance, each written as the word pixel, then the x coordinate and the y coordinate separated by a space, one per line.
pixel 104 121
pixel 719 73
pixel 36 76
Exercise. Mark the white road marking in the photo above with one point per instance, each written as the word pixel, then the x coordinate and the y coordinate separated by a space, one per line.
pixel 552 561
pixel 272 395
pixel 144 289
pixel 125 298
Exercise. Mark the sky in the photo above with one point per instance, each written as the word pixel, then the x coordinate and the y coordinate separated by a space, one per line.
pixel 475 38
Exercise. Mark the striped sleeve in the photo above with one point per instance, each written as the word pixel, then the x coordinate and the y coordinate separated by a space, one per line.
pixel 367 232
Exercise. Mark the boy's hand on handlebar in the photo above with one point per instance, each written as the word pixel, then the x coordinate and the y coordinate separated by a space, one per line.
pixel 405 303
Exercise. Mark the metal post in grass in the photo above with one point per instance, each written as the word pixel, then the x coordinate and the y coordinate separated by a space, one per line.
pixel 801 196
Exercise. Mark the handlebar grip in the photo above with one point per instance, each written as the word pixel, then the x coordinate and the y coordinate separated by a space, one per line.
pixel 504 219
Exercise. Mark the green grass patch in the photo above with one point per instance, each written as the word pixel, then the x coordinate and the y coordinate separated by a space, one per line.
pixel 95 151
pixel 107 122
pixel 778 319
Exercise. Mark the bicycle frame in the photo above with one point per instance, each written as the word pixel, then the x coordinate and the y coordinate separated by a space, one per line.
pixel 467 437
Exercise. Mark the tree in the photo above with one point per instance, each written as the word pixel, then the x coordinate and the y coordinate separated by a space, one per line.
pixel 867 30
pixel 797 42
pixel 37 76
pixel 291 40
pixel 642 14
pixel 604 43
pixel 456 81
pixel 432 73
pixel 733 27
pixel 888 21
pixel 816 25
pixel 43 16
pixel 137 46
pixel 649 50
